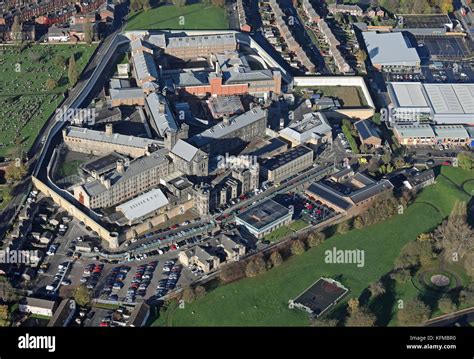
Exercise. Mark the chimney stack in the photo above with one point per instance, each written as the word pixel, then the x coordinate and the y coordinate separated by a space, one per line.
pixel 109 129
pixel 226 120
pixel 120 166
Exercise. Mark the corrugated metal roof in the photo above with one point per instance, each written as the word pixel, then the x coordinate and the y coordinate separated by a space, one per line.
pixel 143 205
pixel 389 49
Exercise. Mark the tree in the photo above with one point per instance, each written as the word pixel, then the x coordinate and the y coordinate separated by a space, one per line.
pixel 466 296
pixel 359 222
pixel 7 291
pixel 343 227
pixel 276 259
pixel 339 17
pixel 362 317
pixel 146 5
pixel 135 5
pixel 446 305
pixel 454 236
pixel 352 305
pixel 466 160
pixel 377 118
pixel 374 165
pixel 232 272
pixel 376 289
pixel 361 56
pixel 73 74
pixel 82 295
pixel 188 295
pixel 4 316
pixel 399 162
pixel 218 3
pixel 51 84
pixel 60 61
pixel 446 6
pixel 6 197
pixel 401 275
pixel 386 158
pixel 415 312
pixel 16 31
pixel 15 172
pixel 34 56
pixel 88 33
pixel 322 322
pixel 315 238
pixel 297 247
pixel 255 267
pixel 415 254
pixel 179 3
pixel 200 291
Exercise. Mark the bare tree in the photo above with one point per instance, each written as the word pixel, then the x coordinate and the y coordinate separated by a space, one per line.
pixel 376 288
pixel 415 312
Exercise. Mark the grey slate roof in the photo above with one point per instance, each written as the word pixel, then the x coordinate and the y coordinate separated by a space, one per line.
pixel 191 78
pixel 126 93
pixel 371 190
pixel 163 119
pixel 313 125
pixel 285 157
pixel 221 130
pixel 201 40
pixel 366 129
pixel 330 195
pixel 134 168
pixel 115 138
pixel 144 65
pixel 184 150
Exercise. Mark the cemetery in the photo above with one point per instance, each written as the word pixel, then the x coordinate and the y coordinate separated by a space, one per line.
pixel 27 98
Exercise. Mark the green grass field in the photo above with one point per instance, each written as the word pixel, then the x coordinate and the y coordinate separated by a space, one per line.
pixel 4 190
pixel 349 96
pixel 190 17
pixel 282 232
pixel 70 168
pixel 25 103
pixel 264 300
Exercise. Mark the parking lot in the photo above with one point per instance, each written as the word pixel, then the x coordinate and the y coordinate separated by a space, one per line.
pixel 315 212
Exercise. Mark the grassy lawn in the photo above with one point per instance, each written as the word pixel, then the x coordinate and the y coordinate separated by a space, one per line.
pixel 190 17
pixel 70 168
pixel 282 232
pixel 298 224
pixel 349 96
pixel 415 289
pixel 264 300
pixel 4 190
pixel 25 103
pixel 278 234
